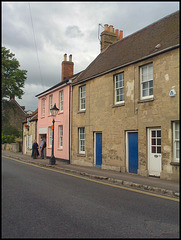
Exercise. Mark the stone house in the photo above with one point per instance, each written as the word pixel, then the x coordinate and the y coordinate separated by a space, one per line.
pixel 59 94
pixel 125 104
pixel 29 132
pixel 16 114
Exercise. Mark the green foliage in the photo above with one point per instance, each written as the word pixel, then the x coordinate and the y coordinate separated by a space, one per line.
pixel 8 138
pixel 13 78
pixel 10 134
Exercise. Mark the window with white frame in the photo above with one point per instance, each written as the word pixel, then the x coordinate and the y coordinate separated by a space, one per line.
pixel 43 107
pixel 82 97
pixel 119 88
pixel 82 140
pixel 51 102
pixel 50 136
pixel 146 81
pixel 61 101
pixel 60 136
pixel 176 141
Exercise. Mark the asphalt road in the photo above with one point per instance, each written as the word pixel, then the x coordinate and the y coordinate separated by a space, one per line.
pixel 38 203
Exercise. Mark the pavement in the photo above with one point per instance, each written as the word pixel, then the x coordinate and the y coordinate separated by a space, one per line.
pixel 151 184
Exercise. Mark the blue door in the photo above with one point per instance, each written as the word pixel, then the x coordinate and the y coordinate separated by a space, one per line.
pixel 133 152
pixel 98 149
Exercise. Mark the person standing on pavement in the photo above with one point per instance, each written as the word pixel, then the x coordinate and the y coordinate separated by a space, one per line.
pixel 35 152
pixel 42 144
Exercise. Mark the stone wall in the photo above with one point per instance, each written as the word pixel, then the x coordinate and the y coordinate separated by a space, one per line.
pixel 114 120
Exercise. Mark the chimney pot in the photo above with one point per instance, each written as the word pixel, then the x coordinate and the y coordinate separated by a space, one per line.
pixel 65 57
pixel 106 28
pixel 121 34
pixel 111 28
pixel 70 58
pixel 117 33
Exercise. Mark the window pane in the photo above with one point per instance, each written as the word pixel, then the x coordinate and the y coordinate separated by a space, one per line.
pixel 178 153
pixel 153 141
pixel 151 91
pixel 153 133
pixel 153 149
pixel 158 133
pixel 158 149
pixel 145 85
pixel 145 93
pixel 158 141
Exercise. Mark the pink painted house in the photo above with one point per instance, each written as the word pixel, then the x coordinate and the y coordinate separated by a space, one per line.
pixel 59 94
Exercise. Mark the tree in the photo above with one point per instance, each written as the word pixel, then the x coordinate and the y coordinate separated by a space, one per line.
pixel 13 78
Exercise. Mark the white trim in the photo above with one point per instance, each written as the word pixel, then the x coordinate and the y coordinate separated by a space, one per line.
pixel 82 109
pixel 141 82
pixel 174 142
pixel 81 152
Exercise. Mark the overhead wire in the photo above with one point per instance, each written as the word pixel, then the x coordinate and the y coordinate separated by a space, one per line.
pixel 35 44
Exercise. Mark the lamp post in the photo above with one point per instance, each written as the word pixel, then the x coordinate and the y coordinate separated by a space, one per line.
pixel 54 110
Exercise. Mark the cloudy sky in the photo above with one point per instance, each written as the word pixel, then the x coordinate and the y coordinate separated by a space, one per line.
pixel 40 33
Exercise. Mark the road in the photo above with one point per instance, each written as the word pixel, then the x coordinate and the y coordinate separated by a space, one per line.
pixel 39 203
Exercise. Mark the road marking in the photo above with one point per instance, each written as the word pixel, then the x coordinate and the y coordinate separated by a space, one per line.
pixel 91 180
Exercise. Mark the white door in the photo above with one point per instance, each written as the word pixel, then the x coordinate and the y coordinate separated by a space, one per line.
pixel 154 152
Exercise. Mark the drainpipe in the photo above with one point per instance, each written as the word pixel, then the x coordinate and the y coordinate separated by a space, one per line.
pixel 22 139
pixel 70 121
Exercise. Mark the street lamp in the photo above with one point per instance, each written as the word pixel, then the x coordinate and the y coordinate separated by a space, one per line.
pixel 54 110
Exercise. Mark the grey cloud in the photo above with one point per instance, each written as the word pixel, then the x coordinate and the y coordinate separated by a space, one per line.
pixel 73 32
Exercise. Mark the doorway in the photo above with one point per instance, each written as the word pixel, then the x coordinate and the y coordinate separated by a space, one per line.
pixel 98 149
pixel 132 151
pixel 154 151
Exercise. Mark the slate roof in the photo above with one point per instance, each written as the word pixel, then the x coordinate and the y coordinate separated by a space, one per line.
pixel 164 34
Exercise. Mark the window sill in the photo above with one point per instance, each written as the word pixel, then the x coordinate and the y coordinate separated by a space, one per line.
pixel 118 105
pixel 60 113
pixel 175 163
pixel 60 149
pixel 146 100
pixel 81 155
pixel 81 111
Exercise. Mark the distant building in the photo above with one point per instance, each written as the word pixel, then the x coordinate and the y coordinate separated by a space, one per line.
pixel 29 132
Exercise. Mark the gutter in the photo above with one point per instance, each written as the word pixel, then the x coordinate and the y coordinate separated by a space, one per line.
pixel 52 90
pixel 126 64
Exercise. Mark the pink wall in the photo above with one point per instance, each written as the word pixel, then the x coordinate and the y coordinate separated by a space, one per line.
pixel 62 118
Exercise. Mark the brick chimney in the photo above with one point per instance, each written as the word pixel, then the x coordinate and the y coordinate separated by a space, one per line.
pixel 109 36
pixel 67 67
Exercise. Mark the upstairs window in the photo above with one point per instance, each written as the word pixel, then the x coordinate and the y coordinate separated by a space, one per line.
pixel 82 97
pixel 119 88
pixel 61 101
pixel 51 102
pixel 43 107
pixel 146 81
